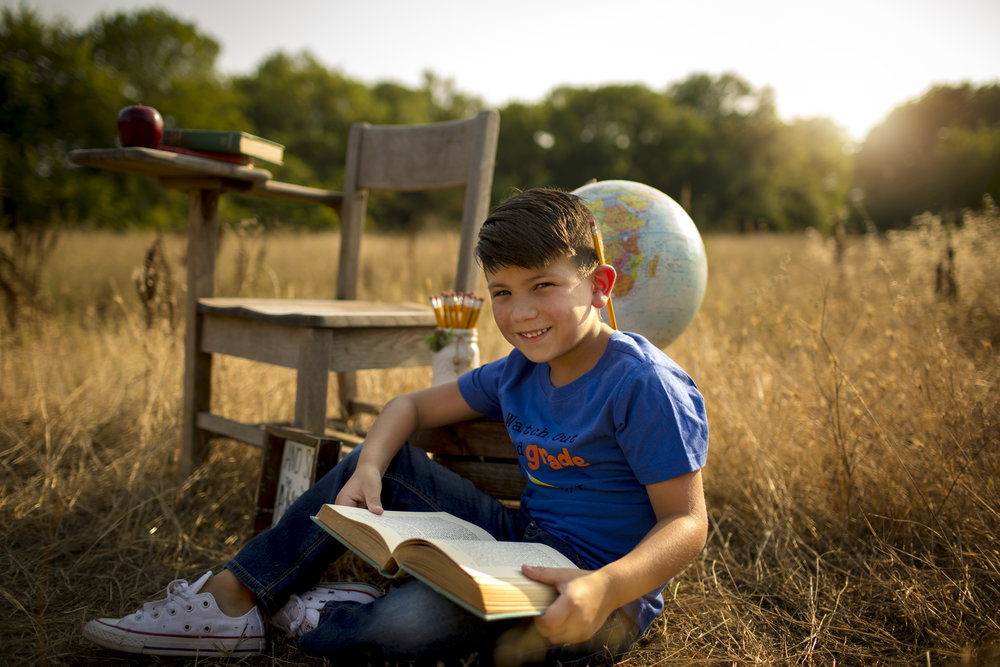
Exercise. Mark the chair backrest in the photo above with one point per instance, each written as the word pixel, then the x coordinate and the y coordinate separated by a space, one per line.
pixel 432 156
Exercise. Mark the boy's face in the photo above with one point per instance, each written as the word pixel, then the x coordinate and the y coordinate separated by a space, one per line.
pixel 550 314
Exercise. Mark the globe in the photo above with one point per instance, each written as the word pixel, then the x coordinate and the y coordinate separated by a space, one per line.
pixel 658 254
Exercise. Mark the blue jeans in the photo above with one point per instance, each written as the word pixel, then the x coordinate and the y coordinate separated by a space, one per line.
pixel 411 621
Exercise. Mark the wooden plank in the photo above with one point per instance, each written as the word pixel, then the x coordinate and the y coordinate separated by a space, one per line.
pixel 326 451
pixel 478 437
pixel 365 407
pixel 352 218
pixel 352 349
pixel 258 341
pixel 189 183
pixel 289 432
pixel 187 172
pixel 429 157
pixel 479 450
pixel 297 193
pixel 227 428
pixel 152 162
pixel 376 347
pixel 331 313
pixel 312 380
pixel 341 431
pixel 267 483
pixel 203 235
pixel 477 199
pixel 500 480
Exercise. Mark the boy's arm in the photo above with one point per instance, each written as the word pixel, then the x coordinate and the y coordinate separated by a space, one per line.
pixel 587 598
pixel 436 406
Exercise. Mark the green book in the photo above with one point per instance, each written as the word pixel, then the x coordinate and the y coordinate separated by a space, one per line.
pixel 221 141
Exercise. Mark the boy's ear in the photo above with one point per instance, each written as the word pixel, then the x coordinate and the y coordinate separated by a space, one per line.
pixel 604 279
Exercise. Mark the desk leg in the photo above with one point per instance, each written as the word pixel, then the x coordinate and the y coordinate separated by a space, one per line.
pixel 203 237
pixel 311 380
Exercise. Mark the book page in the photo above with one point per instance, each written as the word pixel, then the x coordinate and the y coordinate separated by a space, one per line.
pixel 396 526
pixel 500 559
pixel 485 556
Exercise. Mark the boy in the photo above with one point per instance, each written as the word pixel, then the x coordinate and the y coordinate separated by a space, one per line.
pixel 629 510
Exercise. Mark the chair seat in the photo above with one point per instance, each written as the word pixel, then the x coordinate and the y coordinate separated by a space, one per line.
pixel 321 313
pixel 317 335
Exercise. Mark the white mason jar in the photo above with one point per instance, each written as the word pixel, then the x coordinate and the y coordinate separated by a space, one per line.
pixel 459 355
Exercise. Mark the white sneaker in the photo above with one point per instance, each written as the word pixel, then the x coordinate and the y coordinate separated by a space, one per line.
pixel 301 614
pixel 187 622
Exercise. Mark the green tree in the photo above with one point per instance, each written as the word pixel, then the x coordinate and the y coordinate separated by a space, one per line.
pixel 716 98
pixel 445 100
pixel 45 71
pixel 62 89
pixel 521 150
pixel 969 164
pixel 714 143
pixel 612 132
pixel 53 98
pixel 591 138
pixel 938 153
pixel 296 100
pixel 814 174
pixel 167 63
pixel 733 186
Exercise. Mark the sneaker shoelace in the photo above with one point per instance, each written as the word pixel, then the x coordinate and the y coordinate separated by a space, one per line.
pixel 178 596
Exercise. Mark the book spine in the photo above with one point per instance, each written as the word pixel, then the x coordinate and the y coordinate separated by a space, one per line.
pixel 390 573
pixel 232 158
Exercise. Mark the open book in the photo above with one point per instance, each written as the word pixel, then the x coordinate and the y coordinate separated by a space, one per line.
pixel 457 558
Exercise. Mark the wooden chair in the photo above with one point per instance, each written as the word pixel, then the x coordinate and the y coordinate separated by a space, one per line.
pixel 316 337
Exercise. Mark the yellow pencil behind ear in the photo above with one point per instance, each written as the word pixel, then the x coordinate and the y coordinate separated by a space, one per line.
pixel 595 232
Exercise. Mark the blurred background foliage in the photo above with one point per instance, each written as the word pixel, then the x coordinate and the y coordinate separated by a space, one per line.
pixel 711 141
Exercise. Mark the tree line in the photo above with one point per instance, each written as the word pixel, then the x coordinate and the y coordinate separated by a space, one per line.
pixel 711 141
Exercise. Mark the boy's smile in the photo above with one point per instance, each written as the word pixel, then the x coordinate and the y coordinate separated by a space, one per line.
pixel 533 334
pixel 550 314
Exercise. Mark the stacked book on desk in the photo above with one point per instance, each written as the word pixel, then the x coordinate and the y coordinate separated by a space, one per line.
pixel 234 147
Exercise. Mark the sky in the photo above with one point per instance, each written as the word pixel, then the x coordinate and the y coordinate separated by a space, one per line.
pixel 850 60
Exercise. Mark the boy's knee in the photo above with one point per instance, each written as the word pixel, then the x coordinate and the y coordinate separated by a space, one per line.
pixel 410 622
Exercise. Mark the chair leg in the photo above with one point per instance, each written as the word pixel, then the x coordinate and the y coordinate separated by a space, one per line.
pixel 203 232
pixel 311 381
pixel 347 388
pixel 197 398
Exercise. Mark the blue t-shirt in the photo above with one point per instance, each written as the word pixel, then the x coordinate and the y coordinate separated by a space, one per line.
pixel 590 447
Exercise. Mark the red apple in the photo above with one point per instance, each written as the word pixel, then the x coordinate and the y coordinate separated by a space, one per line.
pixel 139 125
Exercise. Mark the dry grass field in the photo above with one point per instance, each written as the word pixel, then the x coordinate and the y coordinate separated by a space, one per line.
pixel 853 477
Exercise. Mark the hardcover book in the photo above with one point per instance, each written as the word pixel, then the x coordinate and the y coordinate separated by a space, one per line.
pixel 231 158
pixel 456 558
pixel 220 141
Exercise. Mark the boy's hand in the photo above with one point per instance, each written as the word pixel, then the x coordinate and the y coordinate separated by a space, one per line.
pixel 363 489
pixel 435 406
pixel 579 611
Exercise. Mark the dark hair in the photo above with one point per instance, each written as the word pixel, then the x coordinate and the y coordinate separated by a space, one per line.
pixel 535 227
